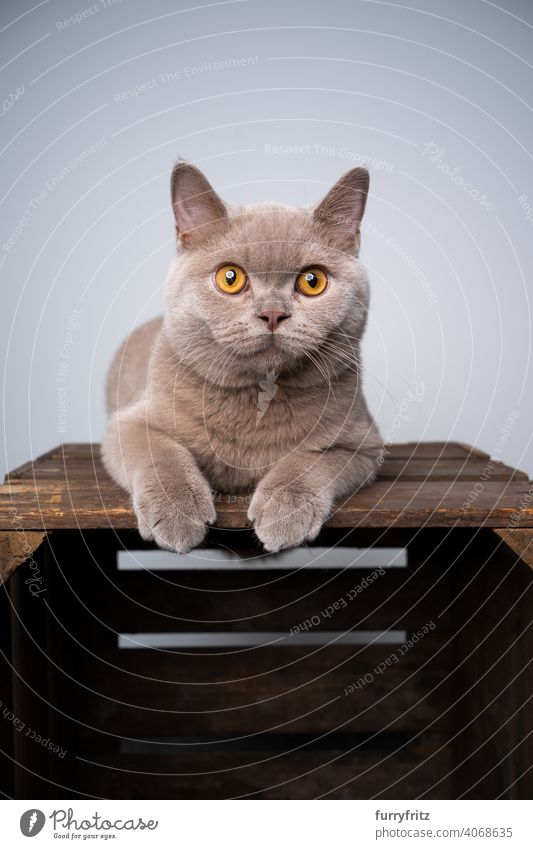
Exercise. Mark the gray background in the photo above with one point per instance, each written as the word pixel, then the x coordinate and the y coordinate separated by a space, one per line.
pixel 274 100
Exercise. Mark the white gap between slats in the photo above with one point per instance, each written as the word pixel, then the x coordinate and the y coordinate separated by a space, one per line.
pixel 250 639
pixel 217 558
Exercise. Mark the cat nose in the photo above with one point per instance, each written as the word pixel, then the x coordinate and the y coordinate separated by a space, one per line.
pixel 273 318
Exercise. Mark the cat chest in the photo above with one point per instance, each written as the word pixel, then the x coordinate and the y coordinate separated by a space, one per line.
pixel 255 428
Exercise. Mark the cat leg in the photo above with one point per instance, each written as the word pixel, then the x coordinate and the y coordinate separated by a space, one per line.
pixel 294 499
pixel 171 498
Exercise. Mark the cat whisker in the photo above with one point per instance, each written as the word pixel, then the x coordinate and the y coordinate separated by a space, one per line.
pixel 342 357
pixel 324 371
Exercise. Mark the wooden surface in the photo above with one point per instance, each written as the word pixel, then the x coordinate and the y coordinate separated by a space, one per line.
pixel 520 541
pixel 419 485
pixel 16 546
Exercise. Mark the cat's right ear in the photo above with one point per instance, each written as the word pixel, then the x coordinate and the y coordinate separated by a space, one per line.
pixel 341 211
pixel 198 210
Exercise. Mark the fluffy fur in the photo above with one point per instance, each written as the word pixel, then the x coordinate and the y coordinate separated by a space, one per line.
pixel 208 397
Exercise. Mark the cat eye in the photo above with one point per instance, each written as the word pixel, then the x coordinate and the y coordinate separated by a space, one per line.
pixel 231 279
pixel 312 281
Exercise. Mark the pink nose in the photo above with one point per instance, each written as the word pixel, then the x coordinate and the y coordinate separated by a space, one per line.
pixel 273 318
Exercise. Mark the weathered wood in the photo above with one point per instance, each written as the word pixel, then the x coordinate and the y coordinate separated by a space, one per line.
pixel 519 540
pixel 469 469
pixel 395 467
pixel 17 547
pixel 91 450
pixel 427 484
pixel 56 505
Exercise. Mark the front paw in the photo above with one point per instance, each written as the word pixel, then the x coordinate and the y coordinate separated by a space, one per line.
pixel 288 515
pixel 173 510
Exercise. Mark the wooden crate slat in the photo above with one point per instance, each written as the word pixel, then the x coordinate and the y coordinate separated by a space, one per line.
pixel 409 772
pixel 420 484
pixel 59 504
pixel 73 470
pixel 236 600
pixel 75 449
pixel 293 690
pixel 396 449
pixel 468 469
pixel 411 461
pixel 441 450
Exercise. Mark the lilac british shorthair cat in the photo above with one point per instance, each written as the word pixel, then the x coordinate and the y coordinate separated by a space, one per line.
pixel 251 381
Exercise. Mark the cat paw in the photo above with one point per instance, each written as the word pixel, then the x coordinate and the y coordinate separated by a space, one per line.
pixel 287 516
pixel 173 512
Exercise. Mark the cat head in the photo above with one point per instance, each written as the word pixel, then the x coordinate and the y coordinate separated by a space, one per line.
pixel 265 287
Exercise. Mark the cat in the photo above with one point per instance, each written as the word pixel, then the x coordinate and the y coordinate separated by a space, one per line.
pixel 251 380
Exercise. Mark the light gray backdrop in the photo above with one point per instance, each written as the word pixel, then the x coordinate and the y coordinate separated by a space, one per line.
pixel 274 100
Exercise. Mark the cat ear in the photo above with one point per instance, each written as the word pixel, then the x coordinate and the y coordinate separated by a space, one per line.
pixel 341 211
pixel 197 207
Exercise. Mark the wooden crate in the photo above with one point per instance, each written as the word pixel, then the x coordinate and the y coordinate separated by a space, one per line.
pixel 406 682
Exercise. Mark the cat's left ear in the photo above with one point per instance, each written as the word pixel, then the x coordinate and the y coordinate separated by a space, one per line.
pixel 198 210
pixel 341 211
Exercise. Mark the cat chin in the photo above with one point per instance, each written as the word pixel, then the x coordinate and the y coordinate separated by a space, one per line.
pixel 264 347
pixel 277 351
pixel 271 350
pixel 270 356
pixel 257 361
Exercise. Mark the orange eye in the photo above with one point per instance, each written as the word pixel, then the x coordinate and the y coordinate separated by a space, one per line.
pixel 231 279
pixel 312 281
